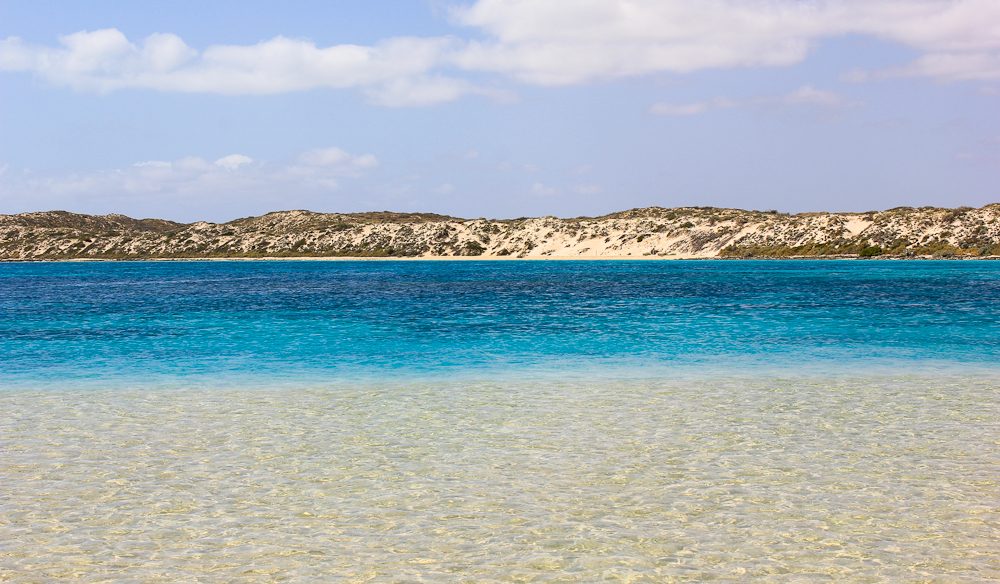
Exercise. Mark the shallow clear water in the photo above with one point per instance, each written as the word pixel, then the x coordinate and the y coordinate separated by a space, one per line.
pixel 508 421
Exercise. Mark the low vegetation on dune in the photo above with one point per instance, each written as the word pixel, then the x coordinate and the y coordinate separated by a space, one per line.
pixel 687 232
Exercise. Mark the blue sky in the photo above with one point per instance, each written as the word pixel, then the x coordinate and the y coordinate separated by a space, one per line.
pixel 501 108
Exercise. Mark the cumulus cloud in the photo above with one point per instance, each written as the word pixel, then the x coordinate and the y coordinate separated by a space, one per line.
pixel 560 42
pixel 106 60
pixel 544 42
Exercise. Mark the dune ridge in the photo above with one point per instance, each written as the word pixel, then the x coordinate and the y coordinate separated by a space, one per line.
pixel 652 232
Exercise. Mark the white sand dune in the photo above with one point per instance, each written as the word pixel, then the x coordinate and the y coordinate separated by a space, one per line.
pixel 639 233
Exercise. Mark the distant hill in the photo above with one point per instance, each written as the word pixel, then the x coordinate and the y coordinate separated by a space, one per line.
pixel 686 232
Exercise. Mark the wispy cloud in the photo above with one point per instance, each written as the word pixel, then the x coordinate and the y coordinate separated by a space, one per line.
pixel 587 189
pixel 426 90
pixel 233 161
pixel 690 109
pixel 234 177
pixel 337 159
pixel 985 151
pixel 805 96
pixel 809 95
pixel 543 190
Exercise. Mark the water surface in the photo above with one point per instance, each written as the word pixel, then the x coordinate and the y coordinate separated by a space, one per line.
pixel 500 421
pixel 273 320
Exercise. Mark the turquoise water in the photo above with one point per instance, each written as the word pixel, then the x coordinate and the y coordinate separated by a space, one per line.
pixel 500 421
pixel 273 321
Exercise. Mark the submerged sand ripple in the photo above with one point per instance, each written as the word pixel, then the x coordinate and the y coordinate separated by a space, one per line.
pixel 858 478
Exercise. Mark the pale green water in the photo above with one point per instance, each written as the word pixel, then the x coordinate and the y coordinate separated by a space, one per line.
pixel 801 478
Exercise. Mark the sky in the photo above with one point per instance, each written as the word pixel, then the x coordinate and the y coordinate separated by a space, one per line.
pixel 217 109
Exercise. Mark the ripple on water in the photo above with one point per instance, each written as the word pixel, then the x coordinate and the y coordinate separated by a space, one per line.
pixel 861 478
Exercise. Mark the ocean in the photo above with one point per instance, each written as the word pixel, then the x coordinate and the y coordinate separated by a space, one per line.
pixel 500 420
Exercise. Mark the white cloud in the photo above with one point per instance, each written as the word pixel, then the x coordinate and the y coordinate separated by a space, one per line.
pixel 679 109
pixel 690 109
pixel 544 42
pixel 553 42
pixel 806 95
pixel 587 189
pixel 542 190
pixel 105 60
pixel 560 42
pixel 152 164
pixel 233 161
pixel 809 95
pixel 420 91
pixel 953 66
pixel 337 159
pixel 235 176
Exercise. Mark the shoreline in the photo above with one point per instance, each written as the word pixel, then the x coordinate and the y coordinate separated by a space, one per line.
pixel 488 259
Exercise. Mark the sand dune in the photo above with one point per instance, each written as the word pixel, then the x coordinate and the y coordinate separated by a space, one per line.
pixel 654 232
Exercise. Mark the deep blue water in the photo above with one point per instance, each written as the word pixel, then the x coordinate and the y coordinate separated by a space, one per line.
pixel 271 321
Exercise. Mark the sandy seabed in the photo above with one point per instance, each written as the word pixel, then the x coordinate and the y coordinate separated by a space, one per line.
pixel 863 478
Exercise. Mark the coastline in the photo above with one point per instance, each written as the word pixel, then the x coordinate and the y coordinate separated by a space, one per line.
pixel 492 259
